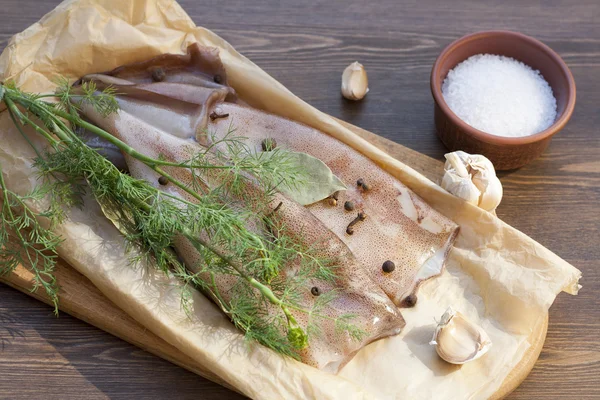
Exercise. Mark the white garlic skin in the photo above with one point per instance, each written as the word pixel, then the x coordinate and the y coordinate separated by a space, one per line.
pixel 472 177
pixel 355 84
pixel 457 340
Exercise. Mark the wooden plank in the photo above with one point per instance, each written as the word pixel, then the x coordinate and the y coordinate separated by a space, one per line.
pixel 82 300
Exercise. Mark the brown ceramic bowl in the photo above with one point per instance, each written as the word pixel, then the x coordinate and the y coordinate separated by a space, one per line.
pixel 504 152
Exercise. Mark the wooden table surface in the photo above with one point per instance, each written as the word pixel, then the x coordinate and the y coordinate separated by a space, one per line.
pixel 555 199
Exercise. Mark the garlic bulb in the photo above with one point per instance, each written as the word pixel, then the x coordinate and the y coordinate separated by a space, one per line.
pixel 472 177
pixel 355 83
pixel 457 340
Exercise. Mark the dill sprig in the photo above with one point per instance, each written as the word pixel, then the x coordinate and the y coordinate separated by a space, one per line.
pixel 104 102
pixel 214 223
pixel 36 244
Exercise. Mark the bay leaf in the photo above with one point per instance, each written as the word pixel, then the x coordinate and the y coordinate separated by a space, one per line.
pixel 320 183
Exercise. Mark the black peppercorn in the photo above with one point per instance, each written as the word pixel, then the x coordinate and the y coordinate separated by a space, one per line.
pixel 218 79
pixel 409 301
pixel 158 75
pixel 315 291
pixel 163 180
pixel 388 266
pixel 348 206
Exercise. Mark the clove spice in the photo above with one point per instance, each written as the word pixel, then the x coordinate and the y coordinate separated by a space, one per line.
pixel 213 115
pixel 360 217
pixel 275 210
pixel 363 185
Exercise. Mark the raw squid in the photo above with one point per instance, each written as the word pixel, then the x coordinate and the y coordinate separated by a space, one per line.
pixel 399 227
pixel 170 102
pixel 358 295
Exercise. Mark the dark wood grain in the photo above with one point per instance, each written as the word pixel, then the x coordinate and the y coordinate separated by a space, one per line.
pixel 555 199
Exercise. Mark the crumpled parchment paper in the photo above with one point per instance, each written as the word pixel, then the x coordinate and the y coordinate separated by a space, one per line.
pixel 496 275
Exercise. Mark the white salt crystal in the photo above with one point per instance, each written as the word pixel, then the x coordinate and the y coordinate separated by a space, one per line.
pixel 500 95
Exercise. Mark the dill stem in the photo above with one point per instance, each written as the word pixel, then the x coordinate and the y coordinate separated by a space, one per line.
pixel 59 131
pixel 263 289
pixel 128 149
pixel 117 142
pixel 149 161
pixel 18 126
pixel 2 184
pixel 269 295
pixel 15 111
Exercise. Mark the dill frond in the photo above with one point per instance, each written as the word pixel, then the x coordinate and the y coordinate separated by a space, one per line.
pixel 36 246
pixel 104 102
pixel 216 224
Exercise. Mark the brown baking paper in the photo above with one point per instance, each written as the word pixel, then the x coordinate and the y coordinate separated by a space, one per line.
pixel 496 275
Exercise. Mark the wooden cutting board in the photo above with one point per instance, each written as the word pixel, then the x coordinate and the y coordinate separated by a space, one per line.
pixel 80 298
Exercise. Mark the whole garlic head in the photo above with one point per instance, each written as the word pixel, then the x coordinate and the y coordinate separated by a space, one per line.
pixel 355 83
pixel 472 177
pixel 457 340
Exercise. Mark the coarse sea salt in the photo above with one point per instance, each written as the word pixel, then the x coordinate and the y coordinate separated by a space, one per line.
pixel 500 95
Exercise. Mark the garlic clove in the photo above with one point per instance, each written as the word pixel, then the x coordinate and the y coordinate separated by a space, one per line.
pixel 355 83
pixel 461 187
pixel 491 195
pixel 458 340
pixel 457 162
